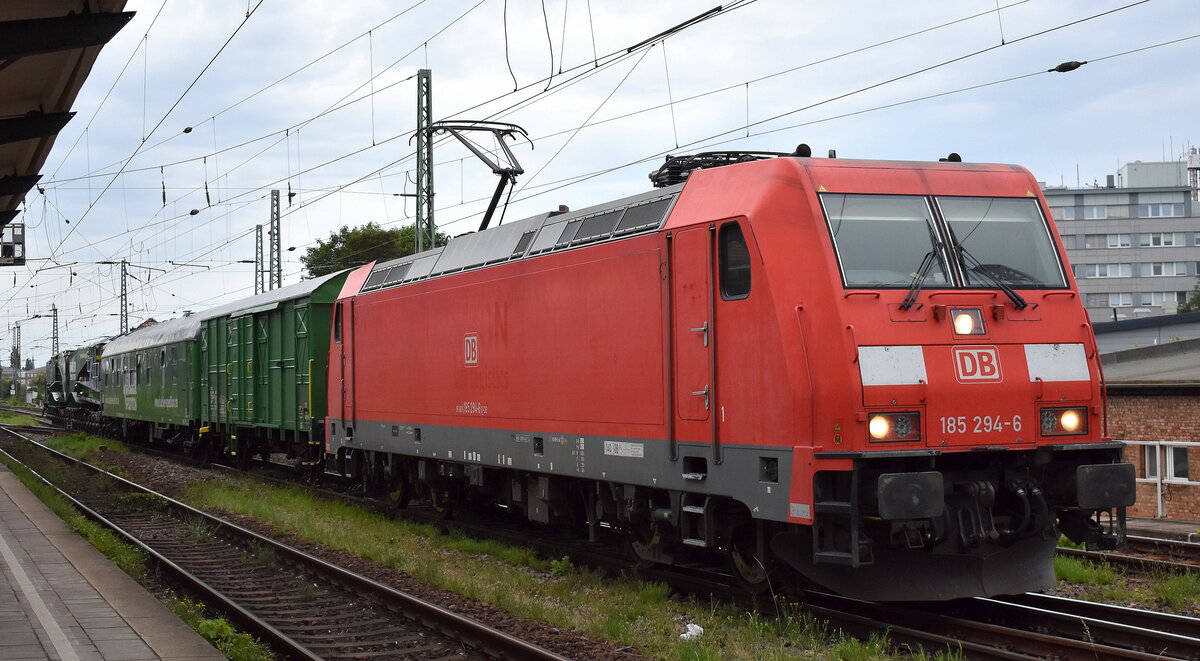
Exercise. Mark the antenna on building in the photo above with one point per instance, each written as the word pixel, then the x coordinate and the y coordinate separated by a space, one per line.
pixel 1193 168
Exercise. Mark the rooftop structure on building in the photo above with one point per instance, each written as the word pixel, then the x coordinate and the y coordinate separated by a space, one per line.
pixel 1134 242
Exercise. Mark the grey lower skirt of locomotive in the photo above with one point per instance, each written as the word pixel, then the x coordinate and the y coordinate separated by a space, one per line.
pixel 918 526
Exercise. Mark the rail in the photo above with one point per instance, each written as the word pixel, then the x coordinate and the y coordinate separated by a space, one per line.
pixel 457 627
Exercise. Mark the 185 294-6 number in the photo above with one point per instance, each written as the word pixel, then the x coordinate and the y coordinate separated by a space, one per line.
pixel 979 424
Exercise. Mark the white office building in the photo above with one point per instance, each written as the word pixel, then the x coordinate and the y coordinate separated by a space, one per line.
pixel 1134 243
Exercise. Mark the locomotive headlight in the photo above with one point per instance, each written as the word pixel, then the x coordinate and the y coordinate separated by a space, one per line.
pixel 1064 421
pixel 879 427
pixel 1070 420
pixel 963 324
pixel 895 426
pixel 967 321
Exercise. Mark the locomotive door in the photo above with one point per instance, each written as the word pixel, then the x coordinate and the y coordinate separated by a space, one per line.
pixel 691 311
pixel 343 337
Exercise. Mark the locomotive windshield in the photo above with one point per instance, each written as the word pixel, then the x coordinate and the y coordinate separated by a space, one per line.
pixel 883 241
pixel 1007 238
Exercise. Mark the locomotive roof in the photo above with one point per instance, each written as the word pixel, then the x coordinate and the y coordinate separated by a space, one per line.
pixel 267 300
pixel 166 332
pixel 528 237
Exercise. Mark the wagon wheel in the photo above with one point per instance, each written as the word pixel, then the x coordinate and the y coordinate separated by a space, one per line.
pixel 242 462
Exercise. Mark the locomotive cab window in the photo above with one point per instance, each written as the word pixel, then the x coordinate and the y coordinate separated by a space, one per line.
pixel 337 323
pixel 735 263
pixel 883 240
pixel 1002 239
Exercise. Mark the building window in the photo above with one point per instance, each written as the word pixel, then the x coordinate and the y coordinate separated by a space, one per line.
pixel 1120 300
pixel 1097 300
pixel 1177 462
pixel 1158 298
pixel 1063 213
pixel 1154 269
pixel 1095 212
pixel 1164 210
pixel 1107 241
pixel 1163 239
pixel 1069 241
pixel 1107 270
pixel 1118 211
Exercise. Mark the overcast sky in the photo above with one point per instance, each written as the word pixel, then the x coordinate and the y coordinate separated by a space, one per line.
pixel 321 97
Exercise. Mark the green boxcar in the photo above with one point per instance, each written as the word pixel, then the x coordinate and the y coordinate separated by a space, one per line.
pixel 149 382
pixel 264 361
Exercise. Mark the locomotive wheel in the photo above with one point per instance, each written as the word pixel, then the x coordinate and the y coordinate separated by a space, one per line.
pixel 444 501
pixel 746 567
pixel 399 494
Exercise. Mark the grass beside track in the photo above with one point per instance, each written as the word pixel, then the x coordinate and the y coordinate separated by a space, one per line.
pixel 7 418
pixel 234 644
pixel 1103 582
pixel 626 612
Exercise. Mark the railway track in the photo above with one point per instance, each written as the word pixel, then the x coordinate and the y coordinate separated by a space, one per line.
pixel 1147 555
pixel 1030 626
pixel 302 606
pixel 1018 628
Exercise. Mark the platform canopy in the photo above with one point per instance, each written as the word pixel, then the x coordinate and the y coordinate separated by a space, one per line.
pixel 47 49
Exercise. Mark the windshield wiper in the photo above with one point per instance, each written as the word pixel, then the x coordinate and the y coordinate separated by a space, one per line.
pixel 976 267
pixel 914 287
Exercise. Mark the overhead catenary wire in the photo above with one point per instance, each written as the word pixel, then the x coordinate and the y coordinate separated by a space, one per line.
pixel 174 105
pixel 571 180
pixel 342 103
pixel 748 124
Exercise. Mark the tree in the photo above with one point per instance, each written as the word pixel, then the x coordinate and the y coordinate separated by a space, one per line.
pixel 1192 304
pixel 349 247
pixel 28 363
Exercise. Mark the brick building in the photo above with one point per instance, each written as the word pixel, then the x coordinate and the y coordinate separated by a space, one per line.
pixel 1154 405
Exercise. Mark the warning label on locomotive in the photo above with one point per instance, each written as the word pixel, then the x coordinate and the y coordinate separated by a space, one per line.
pixel 471 408
pixel 624 449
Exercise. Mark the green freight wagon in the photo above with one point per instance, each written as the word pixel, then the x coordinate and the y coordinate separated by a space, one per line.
pixel 73 388
pixel 55 400
pixel 264 361
pixel 85 376
pixel 149 383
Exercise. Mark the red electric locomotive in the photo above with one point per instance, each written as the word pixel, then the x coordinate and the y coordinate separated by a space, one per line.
pixel 876 375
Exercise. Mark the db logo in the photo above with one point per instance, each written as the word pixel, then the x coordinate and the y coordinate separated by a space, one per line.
pixel 471 349
pixel 977 365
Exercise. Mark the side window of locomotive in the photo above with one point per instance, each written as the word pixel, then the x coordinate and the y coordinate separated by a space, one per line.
pixel 337 323
pixel 1003 238
pixel 735 263
pixel 883 240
